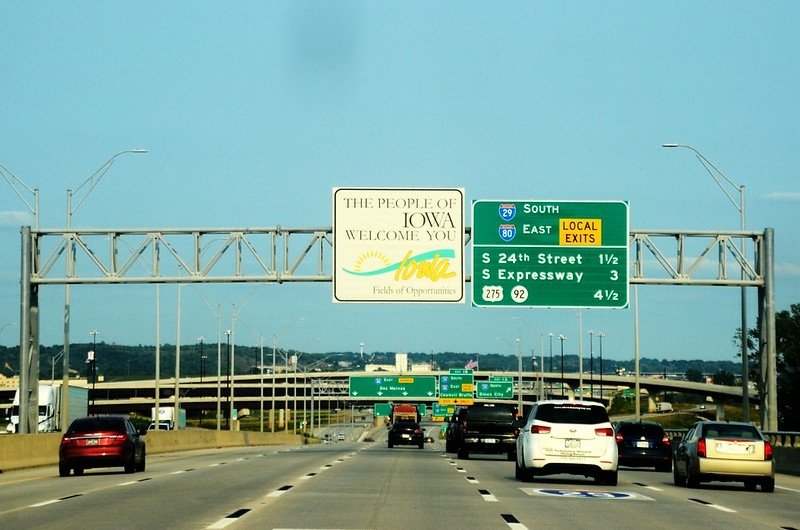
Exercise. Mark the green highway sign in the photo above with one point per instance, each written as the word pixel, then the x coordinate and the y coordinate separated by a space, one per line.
pixel 402 386
pixel 457 384
pixel 443 411
pixel 382 409
pixel 496 388
pixel 532 253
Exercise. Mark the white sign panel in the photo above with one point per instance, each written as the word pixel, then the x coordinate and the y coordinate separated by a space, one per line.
pixel 398 245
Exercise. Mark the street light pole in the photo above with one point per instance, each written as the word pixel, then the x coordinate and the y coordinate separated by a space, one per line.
pixel 93 360
pixel 228 377
pixel 200 340
pixel 562 338
pixel 93 180
pixel 591 363
pixel 601 335
pixel 715 173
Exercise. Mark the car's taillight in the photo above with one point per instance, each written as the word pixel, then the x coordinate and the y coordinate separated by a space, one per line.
pixel 618 438
pixel 516 432
pixel 701 447
pixel 66 440
pixel 604 431
pixel 464 427
pixel 665 440
pixel 767 451
pixel 417 431
pixel 540 429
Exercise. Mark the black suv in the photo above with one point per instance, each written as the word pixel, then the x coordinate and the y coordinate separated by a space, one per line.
pixel 450 435
pixel 643 444
pixel 406 433
pixel 489 428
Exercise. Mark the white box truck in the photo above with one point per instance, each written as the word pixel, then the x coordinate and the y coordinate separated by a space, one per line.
pixel 166 418
pixel 664 406
pixel 49 414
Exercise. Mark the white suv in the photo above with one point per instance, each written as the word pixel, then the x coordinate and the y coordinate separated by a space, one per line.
pixel 572 437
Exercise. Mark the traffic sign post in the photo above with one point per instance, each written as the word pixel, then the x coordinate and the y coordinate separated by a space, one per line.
pixel 496 388
pixel 457 388
pixel 550 254
pixel 405 387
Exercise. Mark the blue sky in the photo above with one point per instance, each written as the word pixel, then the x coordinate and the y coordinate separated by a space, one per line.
pixel 252 112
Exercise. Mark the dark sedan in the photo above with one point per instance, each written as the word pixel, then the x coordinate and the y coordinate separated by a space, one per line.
pixel 406 433
pixel 101 441
pixel 643 444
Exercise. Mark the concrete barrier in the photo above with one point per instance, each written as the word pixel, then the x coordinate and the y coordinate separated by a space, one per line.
pixel 19 451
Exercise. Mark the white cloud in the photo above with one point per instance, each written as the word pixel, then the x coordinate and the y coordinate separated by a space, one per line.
pixel 783 196
pixel 787 269
pixel 15 219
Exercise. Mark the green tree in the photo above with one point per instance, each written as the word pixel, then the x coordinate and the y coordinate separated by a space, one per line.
pixel 694 375
pixel 787 331
pixel 724 377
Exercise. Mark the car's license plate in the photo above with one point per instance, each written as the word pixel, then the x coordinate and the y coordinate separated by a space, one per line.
pixel 407 436
pixel 642 445
pixel 572 443
pixel 92 441
pixel 490 441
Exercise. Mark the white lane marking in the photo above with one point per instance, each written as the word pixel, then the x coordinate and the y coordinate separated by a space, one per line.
pixel 787 489
pixel 44 503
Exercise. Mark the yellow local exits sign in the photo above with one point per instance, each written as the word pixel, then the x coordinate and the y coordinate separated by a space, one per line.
pixel 580 232
pixel 456 401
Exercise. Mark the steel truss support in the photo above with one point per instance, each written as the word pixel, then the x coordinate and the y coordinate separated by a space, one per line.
pixel 278 255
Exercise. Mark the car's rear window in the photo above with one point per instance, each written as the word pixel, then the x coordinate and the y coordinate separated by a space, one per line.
pixel 742 432
pixel 571 413
pixel 638 430
pixel 98 423
pixel 492 413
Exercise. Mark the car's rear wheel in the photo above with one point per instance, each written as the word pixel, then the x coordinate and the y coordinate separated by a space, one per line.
pixel 63 471
pixel 141 465
pixel 691 480
pixel 390 444
pixel 422 445
pixel 607 478
pixel 677 478
pixel 750 485
pixel 666 467
pixel 78 471
pixel 449 447
pixel 463 453
pixel 130 465
pixel 512 455
pixel 768 485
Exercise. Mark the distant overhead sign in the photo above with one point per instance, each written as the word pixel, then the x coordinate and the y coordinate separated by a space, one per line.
pixel 405 387
pixel 398 245
pixel 535 253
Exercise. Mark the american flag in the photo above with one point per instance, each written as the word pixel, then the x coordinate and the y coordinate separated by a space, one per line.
pixel 471 365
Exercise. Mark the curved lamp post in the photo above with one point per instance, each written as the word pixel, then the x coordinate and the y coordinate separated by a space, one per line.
pixel 720 178
pixel 92 181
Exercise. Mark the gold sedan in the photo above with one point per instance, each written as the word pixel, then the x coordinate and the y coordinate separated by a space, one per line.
pixel 724 451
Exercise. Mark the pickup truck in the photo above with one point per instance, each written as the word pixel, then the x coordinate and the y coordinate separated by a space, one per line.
pixel 489 428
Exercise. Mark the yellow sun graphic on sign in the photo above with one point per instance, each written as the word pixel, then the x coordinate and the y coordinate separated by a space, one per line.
pixel 377 259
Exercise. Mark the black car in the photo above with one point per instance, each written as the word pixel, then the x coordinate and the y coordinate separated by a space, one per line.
pixel 643 444
pixel 406 433
pixel 489 428
pixel 101 441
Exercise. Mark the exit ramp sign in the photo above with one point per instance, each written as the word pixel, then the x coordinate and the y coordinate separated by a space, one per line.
pixel 534 253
